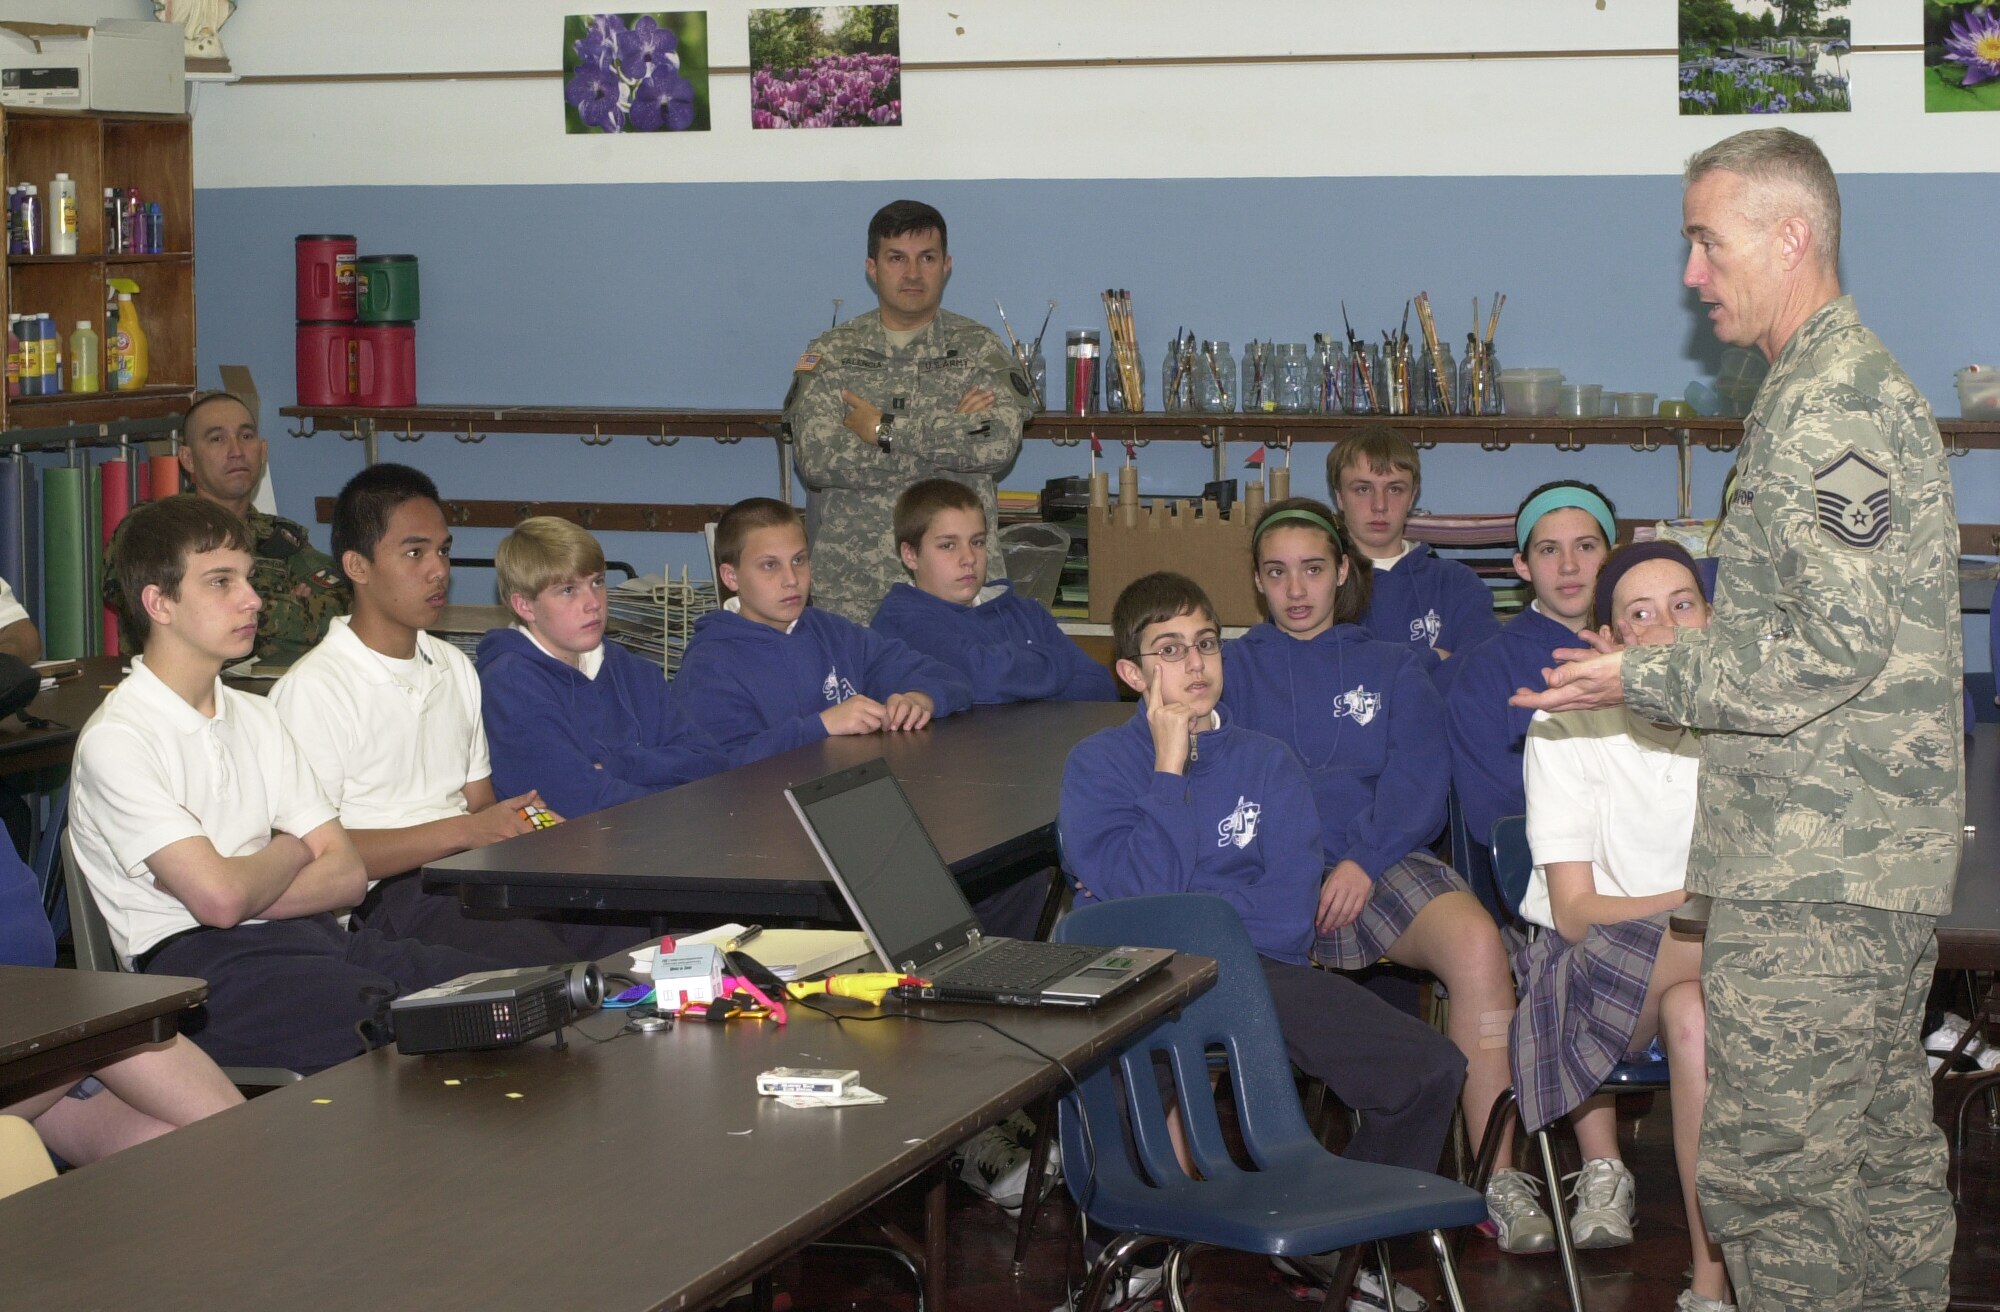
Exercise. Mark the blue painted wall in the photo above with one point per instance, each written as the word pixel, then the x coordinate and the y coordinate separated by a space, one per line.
pixel 704 294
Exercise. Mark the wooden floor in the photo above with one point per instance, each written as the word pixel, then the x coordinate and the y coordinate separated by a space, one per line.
pixel 1645 1277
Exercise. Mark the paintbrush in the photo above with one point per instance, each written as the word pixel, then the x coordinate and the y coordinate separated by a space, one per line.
pixel 1360 357
pixel 1037 348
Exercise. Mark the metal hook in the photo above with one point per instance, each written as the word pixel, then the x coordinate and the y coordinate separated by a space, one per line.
pixel 662 439
pixel 724 439
pixel 457 512
pixel 1717 443
pixel 1645 442
pixel 1494 443
pixel 470 436
pixel 596 438
pixel 300 431
pixel 650 517
pixel 1569 441
pixel 352 435
pixel 1424 441
pixel 409 434
pixel 586 515
pixel 1956 449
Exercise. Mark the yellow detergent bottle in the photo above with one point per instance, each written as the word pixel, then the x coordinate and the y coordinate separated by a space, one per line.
pixel 125 351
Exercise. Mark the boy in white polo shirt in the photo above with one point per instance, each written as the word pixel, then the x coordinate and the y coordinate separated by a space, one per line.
pixel 199 827
pixel 388 718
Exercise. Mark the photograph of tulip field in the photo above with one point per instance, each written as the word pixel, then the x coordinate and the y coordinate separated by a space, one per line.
pixel 828 66
pixel 1764 56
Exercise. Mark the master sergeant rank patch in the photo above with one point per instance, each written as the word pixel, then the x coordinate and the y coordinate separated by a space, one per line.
pixel 1851 496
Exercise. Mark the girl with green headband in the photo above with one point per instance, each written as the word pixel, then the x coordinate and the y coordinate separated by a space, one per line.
pixel 1366 720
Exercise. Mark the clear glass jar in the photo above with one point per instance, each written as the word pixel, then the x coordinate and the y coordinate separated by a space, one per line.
pixel 1083 361
pixel 1038 379
pixel 1294 371
pixel 1176 379
pixel 1214 378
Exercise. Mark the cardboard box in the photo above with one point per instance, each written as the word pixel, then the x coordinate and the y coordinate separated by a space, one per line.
pixel 1188 538
pixel 129 64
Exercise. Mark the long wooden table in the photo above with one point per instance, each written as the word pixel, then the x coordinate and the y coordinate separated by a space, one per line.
pixel 55 1024
pixel 629 1176
pixel 63 710
pixel 986 785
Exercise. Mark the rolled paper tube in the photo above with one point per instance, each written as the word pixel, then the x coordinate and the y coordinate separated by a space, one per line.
pixel 13 516
pixel 164 477
pixel 114 501
pixel 1128 485
pixel 1281 482
pixel 63 529
pixel 1100 490
pixel 1253 500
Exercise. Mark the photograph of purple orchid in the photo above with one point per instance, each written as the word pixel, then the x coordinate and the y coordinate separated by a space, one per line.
pixel 830 66
pixel 1764 56
pixel 1961 57
pixel 635 72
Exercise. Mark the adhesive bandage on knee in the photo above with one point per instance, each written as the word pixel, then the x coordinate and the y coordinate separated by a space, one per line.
pixel 1493 1027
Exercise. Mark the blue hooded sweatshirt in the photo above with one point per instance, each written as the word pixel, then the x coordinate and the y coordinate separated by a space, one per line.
pixel 25 936
pixel 1429 602
pixel 584 743
pixel 760 692
pixel 1240 824
pixel 1367 724
pixel 1487 735
pixel 1008 646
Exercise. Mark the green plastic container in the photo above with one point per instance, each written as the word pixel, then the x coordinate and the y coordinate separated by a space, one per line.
pixel 386 289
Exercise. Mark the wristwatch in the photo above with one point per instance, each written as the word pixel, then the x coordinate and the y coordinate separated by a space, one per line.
pixel 884 437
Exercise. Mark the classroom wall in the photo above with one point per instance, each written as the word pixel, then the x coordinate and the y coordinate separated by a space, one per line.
pixel 1240 200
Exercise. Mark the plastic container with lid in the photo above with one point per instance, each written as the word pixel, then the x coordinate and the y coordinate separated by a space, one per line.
pixel 1530 391
pixel 1979 392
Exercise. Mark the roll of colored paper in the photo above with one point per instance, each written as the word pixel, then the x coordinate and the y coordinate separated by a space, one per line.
pixel 14 482
pixel 114 497
pixel 64 525
pixel 164 477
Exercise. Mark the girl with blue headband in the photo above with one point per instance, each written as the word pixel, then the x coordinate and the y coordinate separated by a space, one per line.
pixel 1366 720
pixel 1563 532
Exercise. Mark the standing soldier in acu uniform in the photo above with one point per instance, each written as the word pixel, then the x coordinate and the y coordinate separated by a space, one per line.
pixel 224 456
pixel 1832 792
pixel 905 392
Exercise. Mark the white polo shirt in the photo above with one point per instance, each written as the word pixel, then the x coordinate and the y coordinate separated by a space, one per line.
pixel 393 743
pixel 152 770
pixel 1613 789
pixel 11 609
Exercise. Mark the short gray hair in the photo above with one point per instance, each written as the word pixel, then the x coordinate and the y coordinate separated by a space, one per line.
pixel 1781 166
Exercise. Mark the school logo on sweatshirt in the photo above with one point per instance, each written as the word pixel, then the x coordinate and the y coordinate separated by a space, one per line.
pixel 1357 704
pixel 1425 628
pixel 1239 827
pixel 835 688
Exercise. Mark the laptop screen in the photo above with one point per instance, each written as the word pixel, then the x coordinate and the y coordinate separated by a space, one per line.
pixel 898 886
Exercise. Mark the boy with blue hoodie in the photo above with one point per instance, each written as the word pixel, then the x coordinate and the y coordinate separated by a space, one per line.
pixel 582 721
pixel 1179 800
pixel 1007 646
pixel 1564 530
pixel 1433 605
pixel 769 672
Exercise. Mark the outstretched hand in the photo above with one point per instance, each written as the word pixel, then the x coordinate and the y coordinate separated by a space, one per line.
pixel 1586 681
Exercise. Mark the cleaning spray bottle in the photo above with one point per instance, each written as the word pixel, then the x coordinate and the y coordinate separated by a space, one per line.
pixel 125 350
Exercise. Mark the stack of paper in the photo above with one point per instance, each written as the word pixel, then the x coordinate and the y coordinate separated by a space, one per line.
pixel 787 953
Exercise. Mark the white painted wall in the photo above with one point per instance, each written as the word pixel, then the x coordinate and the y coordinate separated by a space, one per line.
pixel 1502 116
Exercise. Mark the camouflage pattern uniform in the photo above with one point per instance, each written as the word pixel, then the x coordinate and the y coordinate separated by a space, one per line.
pixel 302 590
pixel 1828 829
pixel 852 486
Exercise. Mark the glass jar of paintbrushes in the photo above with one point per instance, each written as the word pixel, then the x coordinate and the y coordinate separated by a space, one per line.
pixel 1214 378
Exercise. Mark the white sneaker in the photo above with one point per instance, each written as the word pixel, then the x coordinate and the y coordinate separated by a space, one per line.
pixel 1512 1204
pixel 1689 1301
pixel 1138 1284
pixel 1940 1041
pixel 1366 1296
pixel 993 1166
pixel 1606 1202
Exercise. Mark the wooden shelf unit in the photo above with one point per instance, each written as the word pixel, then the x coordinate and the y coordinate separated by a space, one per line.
pixel 154 153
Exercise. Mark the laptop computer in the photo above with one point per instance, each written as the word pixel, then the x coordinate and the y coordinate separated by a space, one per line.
pixel 909 905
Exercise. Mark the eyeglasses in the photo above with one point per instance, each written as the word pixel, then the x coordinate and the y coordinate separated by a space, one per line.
pixel 1173 653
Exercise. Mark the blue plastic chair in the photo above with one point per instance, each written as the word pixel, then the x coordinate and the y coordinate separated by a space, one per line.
pixel 1300 1199
pixel 1513 865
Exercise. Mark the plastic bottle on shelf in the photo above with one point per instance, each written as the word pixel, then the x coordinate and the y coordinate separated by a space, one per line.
pixel 31 355
pixel 83 349
pixel 112 246
pixel 31 221
pixel 13 355
pixel 52 374
pixel 157 228
pixel 62 215
pixel 127 354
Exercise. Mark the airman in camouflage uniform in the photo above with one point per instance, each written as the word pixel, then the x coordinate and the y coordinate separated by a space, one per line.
pixel 905 392
pixel 1832 794
pixel 224 457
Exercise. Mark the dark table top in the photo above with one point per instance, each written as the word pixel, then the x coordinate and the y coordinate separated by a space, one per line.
pixel 66 707
pixel 986 785
pixel 1969 938
pixel 55 1021
pixel 640 1174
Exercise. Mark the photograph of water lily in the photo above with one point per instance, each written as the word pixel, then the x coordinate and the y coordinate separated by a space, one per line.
pixel 635 72
pixel 1961 57
pixel 829 66
pixel 1764 56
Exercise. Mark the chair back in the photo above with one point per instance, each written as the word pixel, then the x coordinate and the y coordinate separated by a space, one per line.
pixel 1121 1102
pixel 23 1160
pixel 1513 862
pixel 88 933
pixel 1471 861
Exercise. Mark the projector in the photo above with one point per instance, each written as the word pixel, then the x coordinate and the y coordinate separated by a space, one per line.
pixel 495 1008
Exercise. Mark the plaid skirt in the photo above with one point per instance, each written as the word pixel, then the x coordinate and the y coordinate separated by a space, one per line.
pixel 1580 1003
pixel 1403 890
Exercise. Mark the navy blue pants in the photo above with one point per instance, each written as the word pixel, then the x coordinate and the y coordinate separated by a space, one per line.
pixel 400 908
pixel 290 992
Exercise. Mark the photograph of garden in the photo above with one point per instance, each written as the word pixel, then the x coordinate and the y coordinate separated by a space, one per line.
pixel 1764 56
pixel 828 66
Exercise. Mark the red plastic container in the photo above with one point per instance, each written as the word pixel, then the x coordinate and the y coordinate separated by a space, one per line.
pixel 326 277
pixel 385 356
pixel 326 364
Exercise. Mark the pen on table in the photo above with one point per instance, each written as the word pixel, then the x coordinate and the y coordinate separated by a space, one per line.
pixel 743 938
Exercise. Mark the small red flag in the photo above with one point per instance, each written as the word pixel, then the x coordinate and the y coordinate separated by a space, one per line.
pixel 1256 460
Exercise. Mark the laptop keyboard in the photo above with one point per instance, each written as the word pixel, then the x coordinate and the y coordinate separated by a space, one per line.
pixel 1019 965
